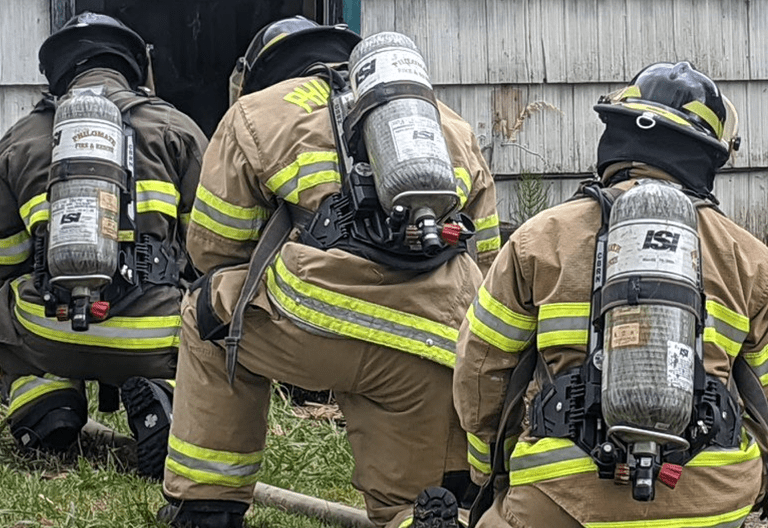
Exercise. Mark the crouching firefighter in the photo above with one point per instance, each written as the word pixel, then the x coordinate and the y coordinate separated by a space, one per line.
pixel 632 321
pixel 335 242
pixel 97 180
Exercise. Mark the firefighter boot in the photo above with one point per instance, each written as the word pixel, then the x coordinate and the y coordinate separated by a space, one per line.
pixel 148 404
pixel 50 421
pixel 203 514
pixel 435 507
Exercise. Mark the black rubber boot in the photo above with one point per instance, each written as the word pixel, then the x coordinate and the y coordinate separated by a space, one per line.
pixel 148 405
pixel 435 507
pixel 51 423
pixel 203 514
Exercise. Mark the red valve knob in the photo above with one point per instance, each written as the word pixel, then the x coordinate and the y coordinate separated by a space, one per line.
pixel 669 474
pixel 99 310
pixel 450 234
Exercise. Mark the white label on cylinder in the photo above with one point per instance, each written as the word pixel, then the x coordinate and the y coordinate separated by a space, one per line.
pixel 74 221
pixel 88 138
pixel 654 247
pixel 680 366
pixel 417 137
pixel 389 65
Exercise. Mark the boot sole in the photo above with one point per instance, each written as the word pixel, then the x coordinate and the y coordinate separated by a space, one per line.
pixel 149 422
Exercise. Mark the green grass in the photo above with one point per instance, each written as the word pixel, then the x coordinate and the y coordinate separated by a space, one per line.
pixel 94 486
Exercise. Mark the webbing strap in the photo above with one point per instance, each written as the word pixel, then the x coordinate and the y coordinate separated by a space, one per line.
pixel 272 238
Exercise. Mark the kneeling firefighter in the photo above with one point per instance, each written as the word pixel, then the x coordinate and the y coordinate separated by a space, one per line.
pixel 337 203
pixel 632 320
pixel 98 181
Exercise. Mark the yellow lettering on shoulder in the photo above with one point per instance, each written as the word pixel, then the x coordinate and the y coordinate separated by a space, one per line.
pixel 315 91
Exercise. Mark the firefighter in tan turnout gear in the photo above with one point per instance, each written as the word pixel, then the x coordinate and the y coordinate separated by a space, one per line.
pixel 366 294
pixel 607 304
pixel 96 185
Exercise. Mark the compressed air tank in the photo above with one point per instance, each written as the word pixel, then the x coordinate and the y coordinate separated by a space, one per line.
pixel 405 144
pixel 649 345
pixel 84 191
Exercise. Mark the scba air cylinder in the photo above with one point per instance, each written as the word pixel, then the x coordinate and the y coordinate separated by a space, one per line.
pixel 651 301
pixel 84 192
pixel 405 143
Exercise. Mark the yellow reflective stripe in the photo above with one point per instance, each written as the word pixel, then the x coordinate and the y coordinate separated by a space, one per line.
pixel 35 210
pixel 478 454
pixel 214 455
pixel 547 459
pixel 630 91
pixel 156 206
pixel 360 319
pixel 728 316
pixel 235 211
pixel 21 394
pixel 228 220
pixel 713 457
pixel 491 244
pixel 706 113
pixel 725 520
pixel 462 177
pixel 304 159
pixel 563 324
pixel 203 477
pixel 488 236
pixel 148 332
pixel 489 222
pixel 658 111
pixel 406 523
pixel 757 359
pixel 15 248
pixel 157 196
pixel 158 186
pixel 211 466
pixel 496 324
pixel 730 347
pixel 313 180
pixel 125 236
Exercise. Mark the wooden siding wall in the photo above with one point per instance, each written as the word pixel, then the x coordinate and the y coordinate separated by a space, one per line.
pixel 526 73
pixel 24 25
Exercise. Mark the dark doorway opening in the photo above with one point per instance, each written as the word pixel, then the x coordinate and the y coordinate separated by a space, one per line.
pixel 196 42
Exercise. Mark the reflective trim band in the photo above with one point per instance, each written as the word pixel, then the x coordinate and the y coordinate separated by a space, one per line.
pixel 228 220
pixel 716 457
pixel 494 323
pixel 759 363
pixel 125 235
pixel 725 328
pixel 706 113
pixel 184 218
pixel 630 91
pixel 134 333
pixel 487 233
pixel 660 112
pixel 509 445
pixel 406 523
pixel 157 197
pixel 29 388
pixel 309 170
pixel 359 319
pixel 463 185
pixel 547 459
pixel 210 466
pixel 726 520
pixel 563 324
pixel 15 249
pixel 478 454
pixel 35 210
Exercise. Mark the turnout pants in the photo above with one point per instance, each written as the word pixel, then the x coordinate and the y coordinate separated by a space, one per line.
pixel 401 423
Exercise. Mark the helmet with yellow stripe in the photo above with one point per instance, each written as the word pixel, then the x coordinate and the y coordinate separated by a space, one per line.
pixel 691 112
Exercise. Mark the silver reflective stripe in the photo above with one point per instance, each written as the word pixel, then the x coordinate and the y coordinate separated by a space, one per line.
pixel 349 316
pixel 253 224
pixel 217 468
pixel 723 328
pixel 40 209
pixel 146 196
pixel 15 252
pixel 556 324
pixel 305 170
pixel 548 457
pixel 485 458
pixel 761 370
pixel 496 324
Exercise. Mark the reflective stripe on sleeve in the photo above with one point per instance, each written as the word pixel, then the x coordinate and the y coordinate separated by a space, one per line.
pixel 210 466
pixel 487 233
pixel 719 456
pixel 463 185
pixel 228 220
pixel 726 520
pixel 547 459
pixel 725 328
pixel 759 363
pixel 157 196
pixel 309 170
pixel 563 324
pixel 15 248
pixel 35 210
pixel 135 333
pixel 494 323
pixel 29 388
pixel 478 454
pixel 351 317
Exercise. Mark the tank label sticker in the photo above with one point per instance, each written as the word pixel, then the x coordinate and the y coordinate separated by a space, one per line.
pixel 417 137
pixel 74 220
pixel 109 228
pixel 625 335
pixel 680 365
pixel 108 201
pixel 88 138
pixel 655 247
pixel 389 65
